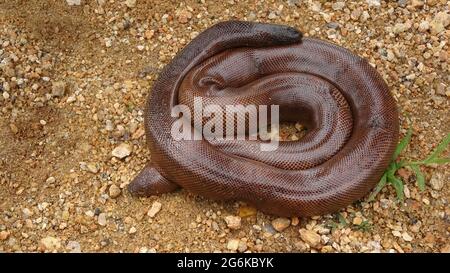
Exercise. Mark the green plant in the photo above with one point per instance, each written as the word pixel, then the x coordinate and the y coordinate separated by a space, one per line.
pixel 364 226
pixel 389 175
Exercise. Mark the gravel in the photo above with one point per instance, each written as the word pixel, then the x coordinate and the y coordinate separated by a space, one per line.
pixel 156 207
pixel 73 90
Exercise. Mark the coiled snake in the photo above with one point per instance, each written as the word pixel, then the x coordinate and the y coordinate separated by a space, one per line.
pixel 351 117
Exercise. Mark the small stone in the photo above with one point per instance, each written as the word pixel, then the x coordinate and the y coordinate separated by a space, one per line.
pixel 402 3
pixel 233 244
pixel 73 247
pixel 13 128
pixel 295 221
pixel 406 237
pixel 132 230
pixel 242 246
pixel 401 27
pixel 281 224
pixel 73 2
pixel 272 15
pixel 50 180
pixel 404 174
pixel 50 243
pixel 373 3
pixel 122 151
pixel 310 237
pixel 268 228
pixel 315 6
pixel 114 191
pixel 108 42
pixel 149 34
pixel 332 25
pixel 58 89
pixel 71 99
pixel 424 26
pixel 5 95
pixel 338 5
pixel 233 222
pixel 437 182
pixel 184 16
pixel 27 213
pixel 102 219
pixel 130 3
pixel 357 221
pixel 417 3
pixel 43 122
pixel 439 23
pixel 4 235
pixel 156 207
pixel 92 167
pixel 246 211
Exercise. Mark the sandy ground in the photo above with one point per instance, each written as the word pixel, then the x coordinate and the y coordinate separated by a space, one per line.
pixel 74 79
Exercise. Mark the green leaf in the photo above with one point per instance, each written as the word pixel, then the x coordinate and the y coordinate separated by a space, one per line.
pixel 342 220
pixel 401 146
pixel 379 187
pixel 438 161
pixel 439 149
pixel 419 176
pixel 398 185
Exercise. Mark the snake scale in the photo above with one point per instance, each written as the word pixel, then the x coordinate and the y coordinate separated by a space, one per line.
pixel 351 117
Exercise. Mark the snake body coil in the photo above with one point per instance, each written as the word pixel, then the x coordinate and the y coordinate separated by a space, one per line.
pixel 352 121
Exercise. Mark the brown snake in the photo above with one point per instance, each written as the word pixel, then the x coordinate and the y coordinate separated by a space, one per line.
pixel 351 117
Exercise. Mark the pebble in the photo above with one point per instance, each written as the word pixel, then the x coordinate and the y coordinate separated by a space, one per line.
pixel 233 244
pixel 13 128
pixel 73 2
pixel 130 3
pixel 92 167
pixel 439 22
pixel 357 221
pixel 246 211
pixel 281 224
pixel 184 16
pixel 102 219
pixel 50 243
pixel 424 26
pixel 122 151
pixel 108 42
pixel 132 230
pixel 27 213
pixel 242 246
pixel 338 5
pixel 71 99
pixel 4 235
pixel 437 182
pixel 58 89
pixel 73 247
pixel 156 207
pixel 310 237
pixel 233 222
pixel 406 237
pixel 401 27
pixel 373 3
pixel 5 95
pixel 114 191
